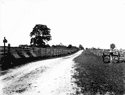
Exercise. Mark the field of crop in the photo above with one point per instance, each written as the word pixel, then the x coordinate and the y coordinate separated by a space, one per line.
pixel 93 76
pixel 19 56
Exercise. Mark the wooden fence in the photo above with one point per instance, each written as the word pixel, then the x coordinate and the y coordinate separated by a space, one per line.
pixel 18 56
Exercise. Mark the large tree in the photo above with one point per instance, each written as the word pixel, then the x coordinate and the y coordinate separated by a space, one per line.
pixel 112 46
pixel 40 35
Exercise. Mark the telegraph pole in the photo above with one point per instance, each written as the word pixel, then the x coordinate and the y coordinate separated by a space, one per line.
pixel 4 41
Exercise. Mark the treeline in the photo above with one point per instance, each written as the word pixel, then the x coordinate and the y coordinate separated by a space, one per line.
pixel 59 46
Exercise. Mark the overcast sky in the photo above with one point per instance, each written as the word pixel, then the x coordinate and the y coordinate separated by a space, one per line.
pixel 92 23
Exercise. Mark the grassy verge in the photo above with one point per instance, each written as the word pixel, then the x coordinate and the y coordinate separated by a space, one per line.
pixel 96 77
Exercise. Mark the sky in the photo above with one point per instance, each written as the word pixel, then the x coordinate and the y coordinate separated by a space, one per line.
pixel 92 23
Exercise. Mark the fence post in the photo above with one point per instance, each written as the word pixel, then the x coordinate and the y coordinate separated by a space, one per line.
pixel 8 55
pixel 8 48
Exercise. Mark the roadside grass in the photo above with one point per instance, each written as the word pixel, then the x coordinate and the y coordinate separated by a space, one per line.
pixel 94 76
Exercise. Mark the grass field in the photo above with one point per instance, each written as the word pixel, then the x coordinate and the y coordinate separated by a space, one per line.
pixel 93 76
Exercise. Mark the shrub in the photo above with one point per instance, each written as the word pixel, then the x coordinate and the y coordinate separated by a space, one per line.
pixel 81 47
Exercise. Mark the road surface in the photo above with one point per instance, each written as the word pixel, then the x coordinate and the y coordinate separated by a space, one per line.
pixel 48 77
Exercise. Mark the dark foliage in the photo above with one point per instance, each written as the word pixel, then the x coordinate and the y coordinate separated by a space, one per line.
pixel 112 46
pixel 42 35
pixel 69 46
pixel 81 47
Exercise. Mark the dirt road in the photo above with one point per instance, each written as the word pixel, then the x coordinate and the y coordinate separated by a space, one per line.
pixel 48 77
